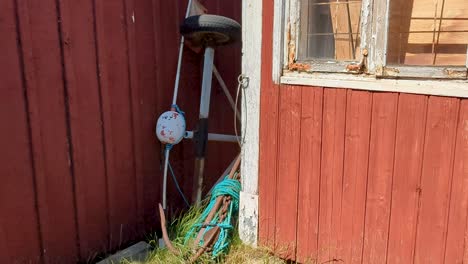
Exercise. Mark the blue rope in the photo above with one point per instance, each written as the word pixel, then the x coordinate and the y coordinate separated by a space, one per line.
pixel 169 147
pixel 226 187
pixel 176 107
pixel 177 186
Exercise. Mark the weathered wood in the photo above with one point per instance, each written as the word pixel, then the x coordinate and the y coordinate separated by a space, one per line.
pixel 331 178
pixel 358 120
pixel 411 127
pixel 455 88
pixel 309 173
pixel 251 54
pixel 49 121
pixel 18 213
pixel 457 218
pixel 436 178
pixel 117 120
pixel 380 176
pixel 81 72
pixel 268 137
pixel 288 171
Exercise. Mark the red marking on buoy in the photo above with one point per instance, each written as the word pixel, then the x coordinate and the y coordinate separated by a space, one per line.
pixel 162 133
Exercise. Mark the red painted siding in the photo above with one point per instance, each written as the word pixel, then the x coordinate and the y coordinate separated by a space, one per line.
pixel 352 176
pixel 82 84
pixel 366 178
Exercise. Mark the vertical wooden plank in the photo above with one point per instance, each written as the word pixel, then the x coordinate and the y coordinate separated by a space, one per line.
pixel 17 190
pixel 116 97
pixel 380 173
pixel 436 178
pixel 358 120
pixel 144 95
pixel 331 179
pixel 309 174
pixel 268 141
pixel 45 93
pixel 136 102
pixel 288 170
pixel 78 41
pixel 457 220
pixel 406 177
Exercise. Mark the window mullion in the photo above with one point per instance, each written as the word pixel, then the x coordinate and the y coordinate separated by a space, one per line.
pixel 378 49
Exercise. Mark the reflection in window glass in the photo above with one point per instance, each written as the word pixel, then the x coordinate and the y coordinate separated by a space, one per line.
pixel 428 32
pixel 330 29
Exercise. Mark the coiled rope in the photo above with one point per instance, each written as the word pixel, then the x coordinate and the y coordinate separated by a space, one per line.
pixel 230 187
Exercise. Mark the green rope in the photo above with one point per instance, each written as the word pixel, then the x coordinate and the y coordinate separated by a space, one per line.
pixel 226 187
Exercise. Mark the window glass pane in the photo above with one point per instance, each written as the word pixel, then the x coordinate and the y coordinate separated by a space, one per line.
pixel 428 32
pixel 330 29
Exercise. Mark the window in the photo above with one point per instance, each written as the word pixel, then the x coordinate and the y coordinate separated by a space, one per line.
pixel 329 30
pixel 386 38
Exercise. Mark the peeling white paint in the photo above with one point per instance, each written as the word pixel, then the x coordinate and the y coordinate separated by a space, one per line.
pixel 251 68
pixel 248 218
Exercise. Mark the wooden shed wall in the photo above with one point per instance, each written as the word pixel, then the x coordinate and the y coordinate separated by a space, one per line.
pixel 82 84
pixel 352 176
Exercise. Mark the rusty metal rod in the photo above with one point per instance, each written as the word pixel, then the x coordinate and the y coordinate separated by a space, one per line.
pixel 166 239
pixel 217 204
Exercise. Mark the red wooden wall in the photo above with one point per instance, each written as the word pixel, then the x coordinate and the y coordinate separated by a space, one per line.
pixel 81 86
pixel 352 176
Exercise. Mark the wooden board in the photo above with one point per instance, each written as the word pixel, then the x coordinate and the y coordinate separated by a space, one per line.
pixel 411 125
pixel 331 178
pixel 117 120
pixel 309 174
pixel 79 43
pixel 380 176
pixel 17 190
pixel 49 129
pixel 268 141
pixel 455 244
pixel 288 171
pixel 442 116
pixel 358 120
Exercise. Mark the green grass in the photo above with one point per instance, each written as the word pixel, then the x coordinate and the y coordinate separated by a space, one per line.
pixel 239 253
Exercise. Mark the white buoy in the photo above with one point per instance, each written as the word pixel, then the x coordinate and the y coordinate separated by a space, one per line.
pixel 170 128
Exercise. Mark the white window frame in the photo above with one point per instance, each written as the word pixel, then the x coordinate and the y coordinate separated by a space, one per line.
pixel 434 80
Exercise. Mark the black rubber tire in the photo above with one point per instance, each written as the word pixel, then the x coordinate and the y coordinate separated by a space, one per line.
pixel 210 30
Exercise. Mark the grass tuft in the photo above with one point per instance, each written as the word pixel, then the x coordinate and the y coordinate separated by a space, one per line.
pixel 238 254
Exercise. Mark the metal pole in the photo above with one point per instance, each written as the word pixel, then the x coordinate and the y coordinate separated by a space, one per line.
pixel 201 135
pixel 206 83
pixel 179 61
pixel 166 163
pixel 214 137
pixel 174 101
pixel 226 91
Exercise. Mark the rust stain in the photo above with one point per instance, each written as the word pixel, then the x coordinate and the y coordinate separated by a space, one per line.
pixel 292 64
pixel 361 66
pixel 354 67
pixel 455 73
pixel 391 71
pixel 299 67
